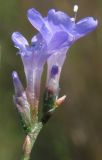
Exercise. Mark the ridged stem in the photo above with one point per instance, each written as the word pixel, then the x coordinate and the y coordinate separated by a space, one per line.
pixel 30 140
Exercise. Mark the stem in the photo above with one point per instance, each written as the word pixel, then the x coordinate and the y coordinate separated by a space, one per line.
pixel 30 140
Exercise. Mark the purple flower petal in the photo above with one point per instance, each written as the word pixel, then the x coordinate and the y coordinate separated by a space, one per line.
pixel 37 21
pixel 35 18
pixel 59 18
pixel 19 41
pixel 59 40
pixel 85 26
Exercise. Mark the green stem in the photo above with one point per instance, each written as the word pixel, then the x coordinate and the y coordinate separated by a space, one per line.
pixel 25 158
pixel 30 140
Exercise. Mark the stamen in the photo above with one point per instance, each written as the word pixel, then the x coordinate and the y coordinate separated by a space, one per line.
pixel 75 9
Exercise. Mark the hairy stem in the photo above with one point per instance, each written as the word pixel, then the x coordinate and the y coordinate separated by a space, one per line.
pixel 30 140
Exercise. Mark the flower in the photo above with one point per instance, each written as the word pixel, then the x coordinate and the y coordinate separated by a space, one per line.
pixel 20 99
pixel 56 33
pixel 33 58
pixel 59 31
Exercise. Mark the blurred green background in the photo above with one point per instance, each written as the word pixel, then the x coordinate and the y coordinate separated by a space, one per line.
pixel 75 130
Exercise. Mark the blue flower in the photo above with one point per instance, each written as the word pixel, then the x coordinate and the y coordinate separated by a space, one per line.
pixel 59 32
pixel 34 57
pixel 56 33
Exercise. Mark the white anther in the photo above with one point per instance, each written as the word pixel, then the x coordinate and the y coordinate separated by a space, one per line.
pixel 75 9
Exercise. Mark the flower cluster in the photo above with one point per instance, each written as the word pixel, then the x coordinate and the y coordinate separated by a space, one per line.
pixel 56 33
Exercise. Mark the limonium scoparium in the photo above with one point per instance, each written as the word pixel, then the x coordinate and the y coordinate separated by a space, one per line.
pixel 56 34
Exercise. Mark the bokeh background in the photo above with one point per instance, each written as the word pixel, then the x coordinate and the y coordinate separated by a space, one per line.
pixel 75 130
